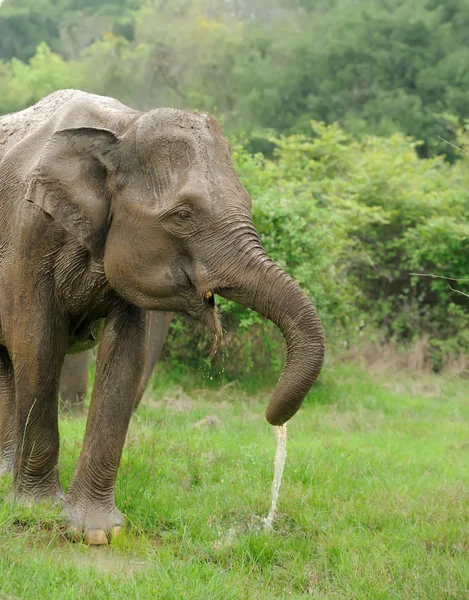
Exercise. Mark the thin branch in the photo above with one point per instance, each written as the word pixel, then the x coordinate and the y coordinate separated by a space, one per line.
pixel 451 379
pixel 457 291
pixel 457 147
pixel 438 276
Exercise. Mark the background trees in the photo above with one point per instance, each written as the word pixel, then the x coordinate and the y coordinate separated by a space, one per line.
pixel 349 209
pixel 374 67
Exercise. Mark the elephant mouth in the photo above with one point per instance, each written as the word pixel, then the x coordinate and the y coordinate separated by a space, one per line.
pixel 209 298
pixel 203 308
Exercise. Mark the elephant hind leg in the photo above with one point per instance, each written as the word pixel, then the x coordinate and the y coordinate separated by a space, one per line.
pixel 74 382
pixel 7 412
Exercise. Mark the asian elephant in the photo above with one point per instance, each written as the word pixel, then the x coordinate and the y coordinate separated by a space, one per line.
pixel 74 376
pixel 107 213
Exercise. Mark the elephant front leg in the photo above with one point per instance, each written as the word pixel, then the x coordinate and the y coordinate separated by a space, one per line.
pixel 7 413
pixel 90 504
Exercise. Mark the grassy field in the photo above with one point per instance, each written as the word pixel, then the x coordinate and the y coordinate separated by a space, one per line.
pixel 374 502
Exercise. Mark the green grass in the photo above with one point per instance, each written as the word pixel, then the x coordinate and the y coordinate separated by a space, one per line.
pixel 374 501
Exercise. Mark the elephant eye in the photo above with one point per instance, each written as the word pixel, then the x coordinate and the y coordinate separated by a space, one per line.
pixel 181 220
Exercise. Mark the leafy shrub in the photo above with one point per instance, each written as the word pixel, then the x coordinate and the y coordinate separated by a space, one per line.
pixel 351 221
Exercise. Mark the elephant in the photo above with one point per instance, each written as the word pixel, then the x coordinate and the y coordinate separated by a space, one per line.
pixel 74 375
pixel 108 213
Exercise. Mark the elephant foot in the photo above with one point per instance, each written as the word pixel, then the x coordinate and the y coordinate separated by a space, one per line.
pixel 94 524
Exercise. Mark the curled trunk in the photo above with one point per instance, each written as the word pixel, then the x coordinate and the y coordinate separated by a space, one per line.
pixel 269 291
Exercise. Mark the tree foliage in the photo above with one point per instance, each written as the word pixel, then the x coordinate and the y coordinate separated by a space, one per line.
pixel 373 67
pixel 358 107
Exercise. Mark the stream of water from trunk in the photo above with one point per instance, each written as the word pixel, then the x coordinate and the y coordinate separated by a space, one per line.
pixel 280 455
pixel 258 523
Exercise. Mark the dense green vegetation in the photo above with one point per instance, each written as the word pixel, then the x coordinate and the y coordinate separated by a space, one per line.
pixel 374 502
pixel 349 209
pixel 351 221
pixel 376 67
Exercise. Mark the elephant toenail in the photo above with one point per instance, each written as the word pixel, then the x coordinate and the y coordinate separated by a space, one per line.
pixel 96 537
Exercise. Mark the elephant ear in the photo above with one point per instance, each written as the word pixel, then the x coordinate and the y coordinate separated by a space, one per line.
pixel 73 182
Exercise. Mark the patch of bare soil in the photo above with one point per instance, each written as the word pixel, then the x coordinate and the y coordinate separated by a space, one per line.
pixel 105 558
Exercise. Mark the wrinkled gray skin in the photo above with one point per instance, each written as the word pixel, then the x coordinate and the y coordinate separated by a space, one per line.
pixel 107 213
pixel 74 376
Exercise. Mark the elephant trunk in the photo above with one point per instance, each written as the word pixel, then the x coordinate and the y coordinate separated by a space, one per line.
pixel 269 291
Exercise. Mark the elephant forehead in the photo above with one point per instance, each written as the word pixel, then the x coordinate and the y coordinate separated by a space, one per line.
pixel 182 149
pixel 166 127
pixel 173 124
pixel 179 118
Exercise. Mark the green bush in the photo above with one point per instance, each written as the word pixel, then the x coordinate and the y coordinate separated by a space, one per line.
pixel 351 221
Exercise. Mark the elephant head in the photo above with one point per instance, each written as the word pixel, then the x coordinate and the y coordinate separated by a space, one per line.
pixel 159 203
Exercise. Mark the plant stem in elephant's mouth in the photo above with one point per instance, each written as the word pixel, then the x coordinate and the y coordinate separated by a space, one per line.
pixel 209 298
pixel 216 344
